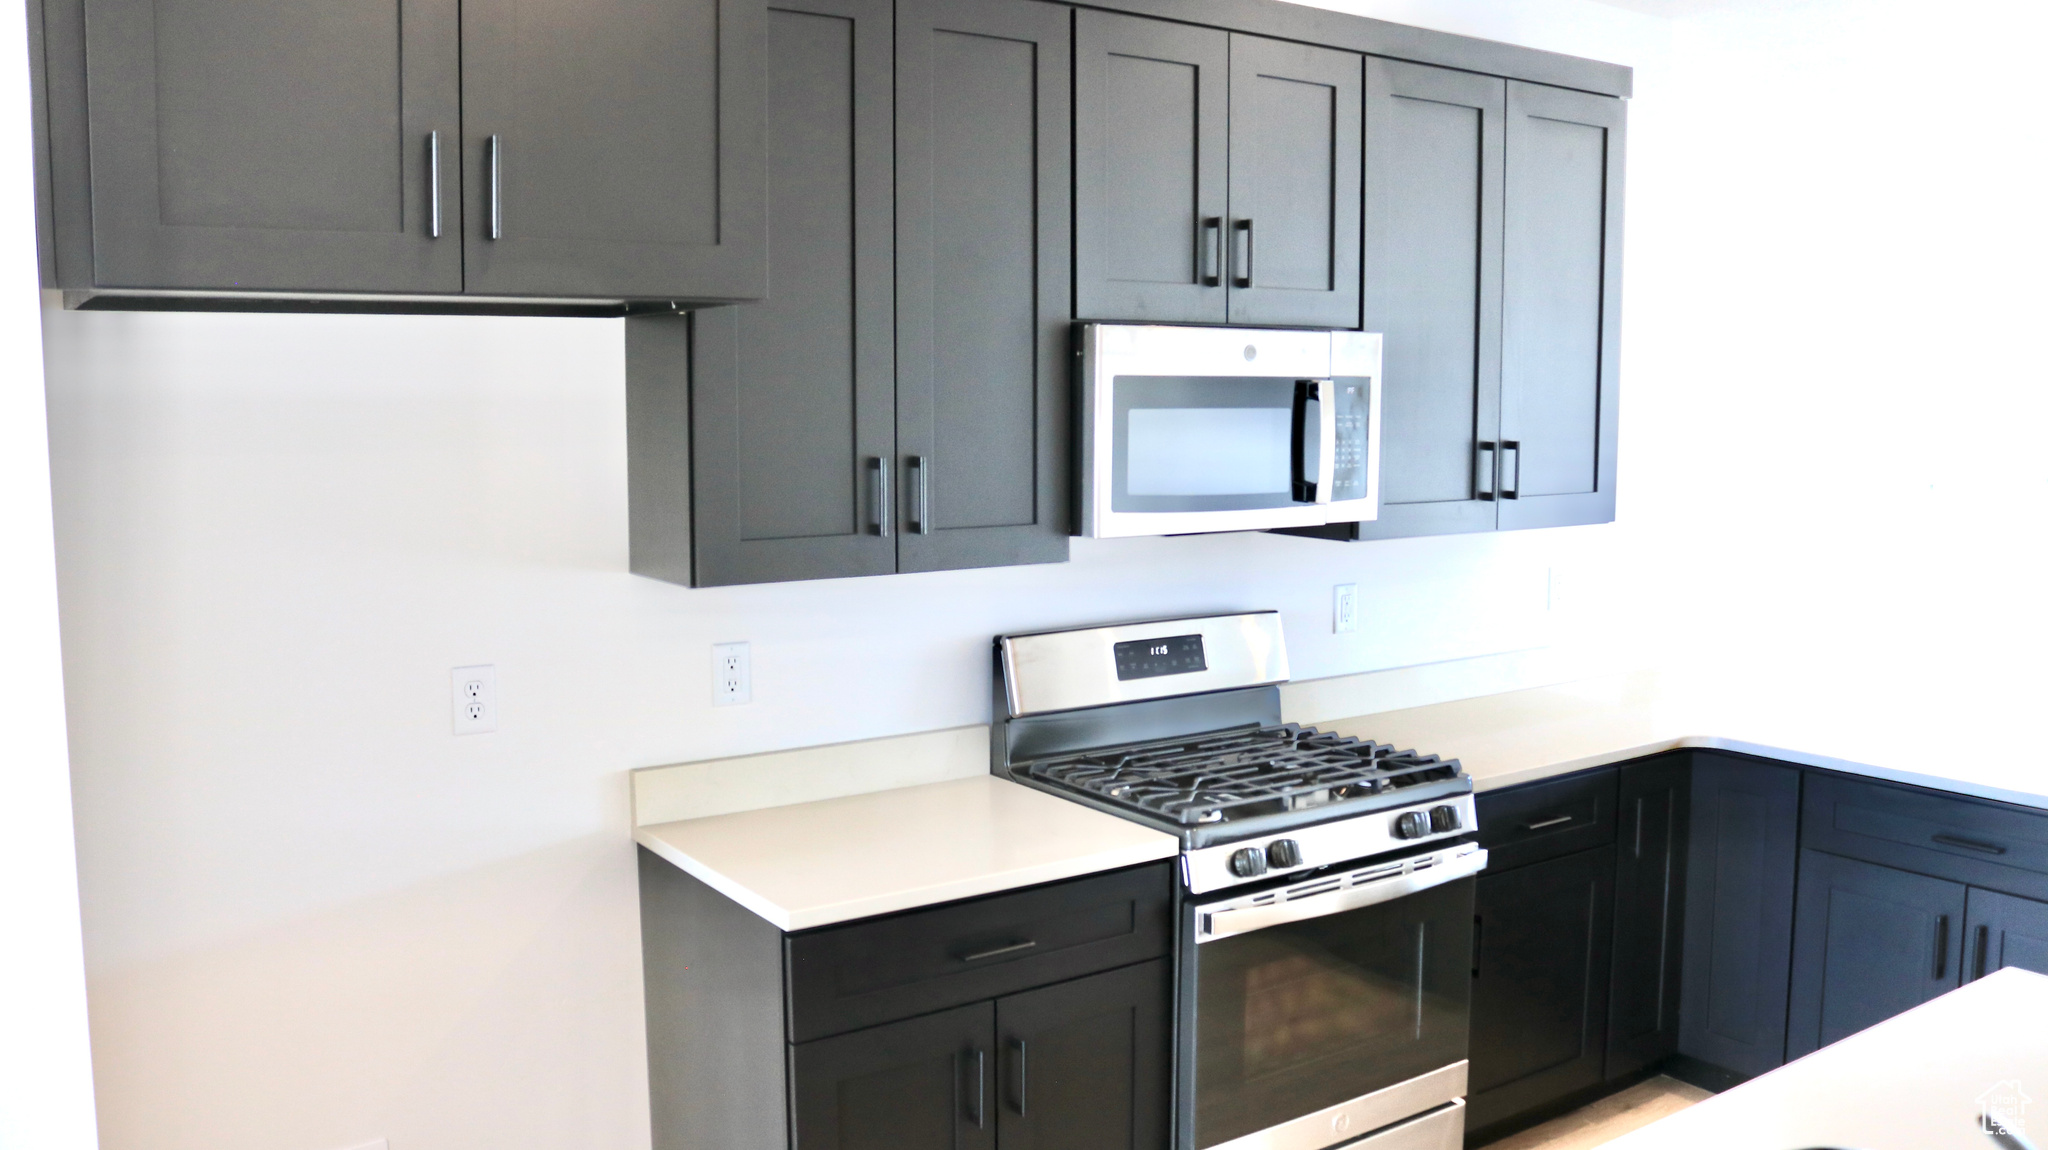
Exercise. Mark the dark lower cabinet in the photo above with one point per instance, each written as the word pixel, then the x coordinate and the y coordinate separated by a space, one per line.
pixel 1872 941
pixel 921 1084
pixel 1649 912
pixel 1083 1064
pixel 1738 912
pixel 1543 940
pixel 2006 931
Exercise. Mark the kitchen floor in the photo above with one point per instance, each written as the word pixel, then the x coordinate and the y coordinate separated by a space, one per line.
pixel 1608 1119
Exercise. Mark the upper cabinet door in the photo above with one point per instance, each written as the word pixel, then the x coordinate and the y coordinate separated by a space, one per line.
pixel 793 415
pixel 1151 131
pixel 1562 307
pixel 614 149
pixel 267 145
pixel 1295 148
pixel 1433 194
pixel 984 251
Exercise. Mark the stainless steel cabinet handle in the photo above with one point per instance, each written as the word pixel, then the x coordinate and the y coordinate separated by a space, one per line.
pixel 920 496
pixel 497 179
pixel 878 494
pixel 434 185
pixel 1209 248
pixel 1969 844
pixel 1941 947
pixel 1558 821
pixel 1018 1053
pixel 1483 462
pixel 1514 445
pixel 1243 278
pixel 1006 948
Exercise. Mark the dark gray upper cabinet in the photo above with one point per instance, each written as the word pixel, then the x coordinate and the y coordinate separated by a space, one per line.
pixel 1217 174
pixel 1295 149
pixel 1561 300
pixel 1151 132
pixel 1738 912
pixel 2006 931
pixel 613 149
pixel 984 254
pixel 1433 195
pixel 274 146
pixel 1872 941
pixel 793 411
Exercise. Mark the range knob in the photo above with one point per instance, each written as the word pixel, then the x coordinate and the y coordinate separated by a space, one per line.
pixel 1411 825
pixel 1443 819
pixel 1283 853
pixel 1249 862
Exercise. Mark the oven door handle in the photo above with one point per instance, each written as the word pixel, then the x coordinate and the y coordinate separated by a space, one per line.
pixel 1212 925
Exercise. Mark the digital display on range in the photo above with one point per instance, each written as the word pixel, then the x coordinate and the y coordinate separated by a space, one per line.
pixel 1151 658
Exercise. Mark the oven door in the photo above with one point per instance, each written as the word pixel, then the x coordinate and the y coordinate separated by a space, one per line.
pixel 1324 1009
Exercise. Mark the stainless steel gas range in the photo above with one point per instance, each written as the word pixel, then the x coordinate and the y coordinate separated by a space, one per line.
pixel 1326 904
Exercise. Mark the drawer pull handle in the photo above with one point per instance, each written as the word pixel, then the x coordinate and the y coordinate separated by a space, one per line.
pixel 1006 948
pixel 1558 821
pixel 1969 844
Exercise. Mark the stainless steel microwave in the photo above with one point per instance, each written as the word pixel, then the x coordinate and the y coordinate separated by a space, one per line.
pixel 1193 429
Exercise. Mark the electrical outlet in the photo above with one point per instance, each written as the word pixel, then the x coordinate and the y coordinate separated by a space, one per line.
pixel 732 675
pixel 474 694
pixel 1344 613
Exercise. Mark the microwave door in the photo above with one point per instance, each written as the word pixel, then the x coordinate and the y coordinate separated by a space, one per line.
pixel 1189 454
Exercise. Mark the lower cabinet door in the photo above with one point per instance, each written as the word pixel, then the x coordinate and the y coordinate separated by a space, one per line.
pixel 2006 931
pixel 1084 1063
pixel 1869 942
pixel 1649 912
pixel 1539 983
pixel 927 1083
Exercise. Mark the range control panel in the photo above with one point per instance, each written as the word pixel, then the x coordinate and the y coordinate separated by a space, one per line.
pixel 1326 844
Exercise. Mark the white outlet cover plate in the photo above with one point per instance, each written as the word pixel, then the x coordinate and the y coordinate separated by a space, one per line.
pixel 1344 608
pixel 473 699
pixel 732 674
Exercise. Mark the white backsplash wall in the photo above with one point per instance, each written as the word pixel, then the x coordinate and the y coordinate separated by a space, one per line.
pixel 314 917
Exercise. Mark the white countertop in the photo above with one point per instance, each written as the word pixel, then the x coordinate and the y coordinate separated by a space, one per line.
pixel 1912 1082
pixel 839 859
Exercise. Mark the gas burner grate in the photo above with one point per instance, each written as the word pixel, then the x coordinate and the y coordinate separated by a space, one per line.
pixel 1241 773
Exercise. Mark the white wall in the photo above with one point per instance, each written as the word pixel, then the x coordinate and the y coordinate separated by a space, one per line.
pixel 46 1099
pixel 315 918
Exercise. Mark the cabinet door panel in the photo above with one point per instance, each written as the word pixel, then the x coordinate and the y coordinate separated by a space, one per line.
pixel 924 1084
pixel 1084 1063
pixel 1871 942
pixel 630 148
pixel 1561 306
pixel 1738 912
pixel 1649 913
pixel 983 260
pixel 1295 150
pixel 2006 931
pixel 794 396
pixel 1539 986
pixel 1151 128
pixel 1433 194
pixel 274 146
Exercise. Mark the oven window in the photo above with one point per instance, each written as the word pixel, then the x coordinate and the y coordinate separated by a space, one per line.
pixel 1200 443
pixel 1297 1017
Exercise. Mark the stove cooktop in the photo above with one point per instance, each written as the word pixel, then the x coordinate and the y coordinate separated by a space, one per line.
pixel 1248 779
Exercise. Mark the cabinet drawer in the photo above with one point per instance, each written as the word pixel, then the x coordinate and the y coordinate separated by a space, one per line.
pixel 845 977
pixel 1544 820
pixel 1964 840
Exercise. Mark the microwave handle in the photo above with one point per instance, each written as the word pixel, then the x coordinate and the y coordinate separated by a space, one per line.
pixel 1326 459
pixel 1302 488
pixel 1317 489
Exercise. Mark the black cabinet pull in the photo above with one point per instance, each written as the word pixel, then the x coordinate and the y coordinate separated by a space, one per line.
pixel 1483 463
pixel 1514 445
pixel 1019 1054
pixel 1209 250
pixel 977 1111
pixel 1243 278
pixel 878 494
pixel 434 185
pixel 1969 844
pixel 1941 947
pixel 1540 824
pixel 1478 933
pixel 1006 948
pixel 1983 947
